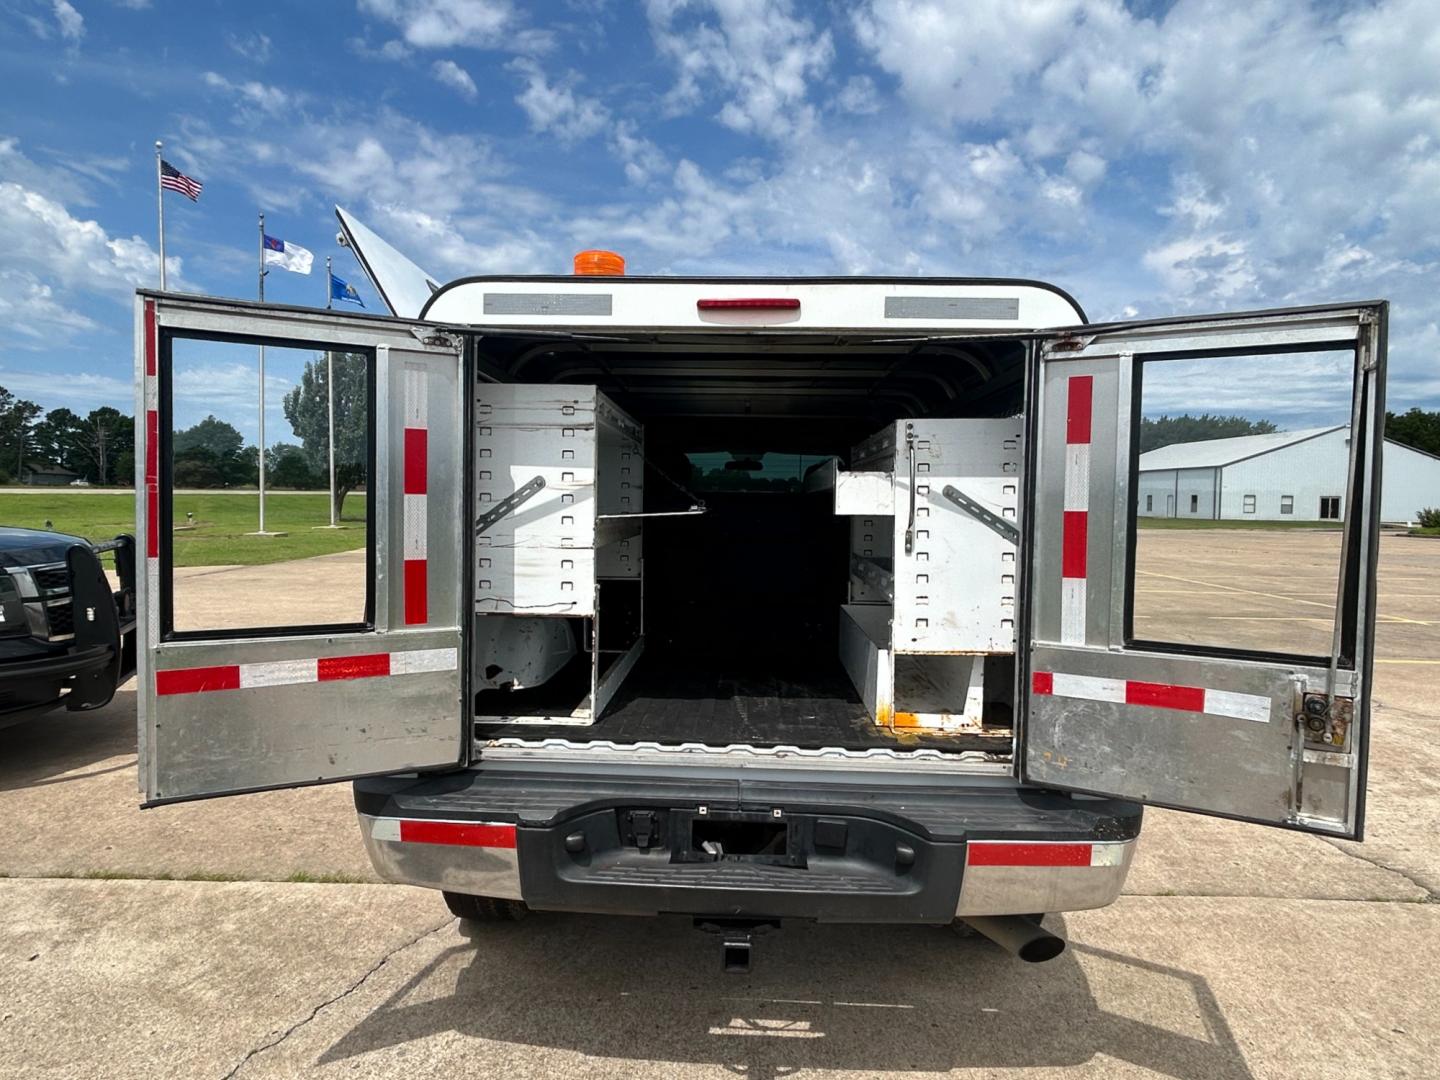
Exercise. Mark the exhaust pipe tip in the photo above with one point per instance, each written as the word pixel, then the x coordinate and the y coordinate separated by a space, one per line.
pixel 1019 936
pixel 1046 947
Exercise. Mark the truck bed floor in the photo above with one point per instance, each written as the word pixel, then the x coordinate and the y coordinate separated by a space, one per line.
pixel 789 701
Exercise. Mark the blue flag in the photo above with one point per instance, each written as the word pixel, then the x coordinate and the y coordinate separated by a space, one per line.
pixel 343 290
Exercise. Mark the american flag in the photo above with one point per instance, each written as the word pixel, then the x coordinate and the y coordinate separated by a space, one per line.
pixel 175 180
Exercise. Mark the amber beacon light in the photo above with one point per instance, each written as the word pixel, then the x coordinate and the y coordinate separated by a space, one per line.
pixel 599 264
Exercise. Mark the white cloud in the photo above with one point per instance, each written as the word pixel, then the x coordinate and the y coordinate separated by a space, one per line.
pixel 44 239
pixel 15 166
pixel 269 99
pixel 448 24
pixel 255 47
pixel 211 384
pixel 642 160
pixel 80 391
pixel 859 96
pixel 30 308
pixel 70 21
pixel 557 108
pixel 757 53
pixel 448 73
pixel 392 51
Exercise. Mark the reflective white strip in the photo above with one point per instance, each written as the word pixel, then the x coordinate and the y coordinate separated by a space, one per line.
pixel 385 828
pixel 278 673
pixel 152 600
pixel 415 403
pixel 1072 611
pixel 1108 854
pixel 1077 476
pixel 1241 706
pixel 416 529
pixel 412 663
pixel 1089 687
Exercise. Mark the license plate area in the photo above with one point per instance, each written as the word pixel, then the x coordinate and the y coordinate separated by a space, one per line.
pixel 717 836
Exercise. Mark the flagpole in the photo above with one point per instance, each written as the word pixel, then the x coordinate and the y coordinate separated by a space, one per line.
pixel 330 389
pixel 262 381
pixel 160 208
pixel 330 393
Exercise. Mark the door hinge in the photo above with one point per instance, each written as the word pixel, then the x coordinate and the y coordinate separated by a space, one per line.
pixel 435 339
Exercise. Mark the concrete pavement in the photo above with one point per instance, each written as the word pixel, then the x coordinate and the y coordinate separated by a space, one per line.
pixel 262 980
pixel 1238 951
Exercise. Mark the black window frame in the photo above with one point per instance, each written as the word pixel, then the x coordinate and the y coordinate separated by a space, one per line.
pixel 165 496
pixel 1346 613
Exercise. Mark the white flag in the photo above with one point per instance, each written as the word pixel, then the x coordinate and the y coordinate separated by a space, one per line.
pixel 287 256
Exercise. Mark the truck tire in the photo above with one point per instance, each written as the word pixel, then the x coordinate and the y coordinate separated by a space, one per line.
pixel 469 908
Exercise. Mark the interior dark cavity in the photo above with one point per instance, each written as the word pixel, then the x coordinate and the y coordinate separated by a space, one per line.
pixel 742 604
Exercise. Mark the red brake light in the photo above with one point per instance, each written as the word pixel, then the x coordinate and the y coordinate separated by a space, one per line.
pixel 768 303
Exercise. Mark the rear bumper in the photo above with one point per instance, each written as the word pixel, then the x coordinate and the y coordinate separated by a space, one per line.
pixel 862 849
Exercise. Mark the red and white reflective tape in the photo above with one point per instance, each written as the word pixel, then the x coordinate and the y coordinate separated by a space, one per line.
pixel 151 509
pixel 484 834
pixel 1196 699
pixel 1044 853
pixel 199 680
pixel 416 466
pixel 1075 539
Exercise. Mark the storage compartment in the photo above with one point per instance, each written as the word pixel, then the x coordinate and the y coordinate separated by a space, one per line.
pixel 724 547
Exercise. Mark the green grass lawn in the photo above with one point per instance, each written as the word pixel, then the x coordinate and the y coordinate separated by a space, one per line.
pixel 221 522
pixel 1206 523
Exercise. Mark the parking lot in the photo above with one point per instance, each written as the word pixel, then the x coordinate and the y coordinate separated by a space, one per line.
pixel 247 937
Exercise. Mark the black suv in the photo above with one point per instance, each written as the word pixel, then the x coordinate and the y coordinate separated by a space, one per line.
pixel 67 636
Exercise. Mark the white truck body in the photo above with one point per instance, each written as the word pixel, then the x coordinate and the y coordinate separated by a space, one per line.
pixel 999 724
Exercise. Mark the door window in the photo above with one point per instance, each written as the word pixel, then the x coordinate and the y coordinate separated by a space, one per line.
pixel 225 568
pixel 1226 422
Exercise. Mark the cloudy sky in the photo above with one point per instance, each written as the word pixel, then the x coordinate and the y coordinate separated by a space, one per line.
pixel 1149 157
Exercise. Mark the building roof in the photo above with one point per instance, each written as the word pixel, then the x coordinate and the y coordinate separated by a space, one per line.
pixel 1213 453
pixel 43 468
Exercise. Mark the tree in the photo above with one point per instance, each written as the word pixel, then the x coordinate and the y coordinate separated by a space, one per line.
pixel 17 419
pixel 105 436
pixel 215 436
pixel 307 409
pixel 1417 428
pixel 288 466
pixel 1167 430
pixel 57 439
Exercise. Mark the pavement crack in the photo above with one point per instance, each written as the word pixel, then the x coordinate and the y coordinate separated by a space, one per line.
pixel 1431 896
pixel 341 996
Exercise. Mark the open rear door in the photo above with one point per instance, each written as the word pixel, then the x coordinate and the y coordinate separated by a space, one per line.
pixel 1201 614
pixel 291 649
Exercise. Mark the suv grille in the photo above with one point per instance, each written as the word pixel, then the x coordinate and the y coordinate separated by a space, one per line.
pixel 51 578
pixel 61 617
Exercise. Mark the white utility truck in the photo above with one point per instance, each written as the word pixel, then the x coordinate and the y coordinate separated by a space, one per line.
pixel 754 599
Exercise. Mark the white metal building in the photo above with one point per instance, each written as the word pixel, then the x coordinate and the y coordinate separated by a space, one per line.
pixel 1285 476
